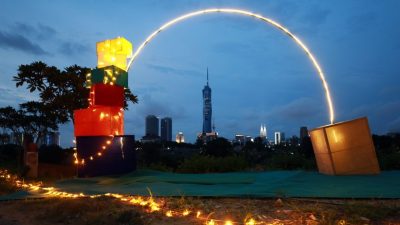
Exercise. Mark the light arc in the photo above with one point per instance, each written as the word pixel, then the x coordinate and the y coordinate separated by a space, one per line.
pixel 254 15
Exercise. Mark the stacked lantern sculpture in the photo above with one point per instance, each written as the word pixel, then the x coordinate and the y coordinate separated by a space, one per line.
pixel 102 147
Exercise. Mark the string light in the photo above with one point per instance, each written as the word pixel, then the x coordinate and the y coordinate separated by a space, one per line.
pixel 254 15
pixel 149 203
pixel 91 158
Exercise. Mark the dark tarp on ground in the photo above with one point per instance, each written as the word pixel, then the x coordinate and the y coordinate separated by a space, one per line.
pixel 243 184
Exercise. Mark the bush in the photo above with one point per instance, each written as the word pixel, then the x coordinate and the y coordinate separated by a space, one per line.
pixel 287 161
pixel 55 154
pixel 160 167
pixel 389 161
pixel 211 164
pixel 10 152
pixel 11 157
pixel 219 147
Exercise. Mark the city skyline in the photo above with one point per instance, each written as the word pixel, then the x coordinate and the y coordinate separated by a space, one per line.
pixel 258 75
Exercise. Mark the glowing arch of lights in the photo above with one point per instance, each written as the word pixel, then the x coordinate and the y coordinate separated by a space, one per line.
pixel 246 13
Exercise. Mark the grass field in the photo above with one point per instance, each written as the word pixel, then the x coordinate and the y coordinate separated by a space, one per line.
pixel 107 210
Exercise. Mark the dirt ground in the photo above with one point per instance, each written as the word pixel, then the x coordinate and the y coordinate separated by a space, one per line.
pixel 110 211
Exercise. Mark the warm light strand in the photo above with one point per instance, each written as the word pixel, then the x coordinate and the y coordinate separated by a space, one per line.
pixel 148 203
pixel 258 16
pixel 81 161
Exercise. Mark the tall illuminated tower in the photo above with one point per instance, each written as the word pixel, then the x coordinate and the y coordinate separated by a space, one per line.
pixel 207 108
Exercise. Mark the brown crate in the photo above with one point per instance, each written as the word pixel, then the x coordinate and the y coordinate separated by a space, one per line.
pixel 345 148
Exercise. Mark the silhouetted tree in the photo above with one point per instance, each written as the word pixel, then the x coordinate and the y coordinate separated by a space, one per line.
pixel 10 119
pixel 219 147
pixel 61 91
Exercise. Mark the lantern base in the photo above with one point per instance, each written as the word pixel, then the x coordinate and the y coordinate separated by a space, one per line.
pixel 345 148
pixel 105 155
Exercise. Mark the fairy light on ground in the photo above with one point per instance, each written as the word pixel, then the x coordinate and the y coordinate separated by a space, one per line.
pixel 150 204
pixel 254 15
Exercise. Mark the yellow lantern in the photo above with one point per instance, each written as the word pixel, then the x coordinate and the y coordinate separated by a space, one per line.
pixel 113 52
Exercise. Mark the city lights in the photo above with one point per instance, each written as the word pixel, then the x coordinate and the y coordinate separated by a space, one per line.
pixel 254 15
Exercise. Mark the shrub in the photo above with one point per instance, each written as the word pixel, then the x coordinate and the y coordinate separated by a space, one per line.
pixel 287 161
pixel 11 157
pixel 390 161
pixel 55 154
pixel 210 164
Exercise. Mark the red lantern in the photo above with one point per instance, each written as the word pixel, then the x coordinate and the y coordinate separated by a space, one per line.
pixel 99 121
pixel 107 95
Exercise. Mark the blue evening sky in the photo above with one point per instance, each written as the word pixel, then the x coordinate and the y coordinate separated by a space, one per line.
pixel 257 74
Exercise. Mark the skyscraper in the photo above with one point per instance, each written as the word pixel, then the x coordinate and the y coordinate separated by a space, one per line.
pixel 278 138
pixel 53 138
pixel 207 108
pixel 303 133
pixel 263 132
pixel 151 125
pixel 166 129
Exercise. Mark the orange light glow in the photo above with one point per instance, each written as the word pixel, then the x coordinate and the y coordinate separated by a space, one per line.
pixel 228 222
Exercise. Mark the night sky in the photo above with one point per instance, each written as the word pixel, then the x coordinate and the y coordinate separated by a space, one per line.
pixel 258 75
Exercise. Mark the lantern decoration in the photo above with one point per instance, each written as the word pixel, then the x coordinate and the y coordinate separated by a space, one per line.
pixel 345 148
pixel 99 129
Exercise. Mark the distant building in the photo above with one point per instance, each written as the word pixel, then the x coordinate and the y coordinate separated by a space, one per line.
pixel 263 132
pixel 207 108
pixel 303 133
pixel 152 125
pixel 166 129
pixel 294 141
pixel 248 139
pixel 16 138
pixel 240 139
pixel 206 137
pixel 52 138
pixel 180 138
pixel 278 138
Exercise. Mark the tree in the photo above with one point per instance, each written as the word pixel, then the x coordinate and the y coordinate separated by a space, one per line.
pixel 61 91
pixel 10 119
pixel 38 119
pixel 219 147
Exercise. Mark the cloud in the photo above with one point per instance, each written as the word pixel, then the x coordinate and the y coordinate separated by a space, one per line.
pixel 19 42
pixel 361 22
pixel 150 106
pixel 238 48
pixel 316 16
pixel 14 96
pixel 40 31
pixel 72 48
pixel 23 34
pixel 383 117
pixel 173 70
pixel 394 125
pixel 298 110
